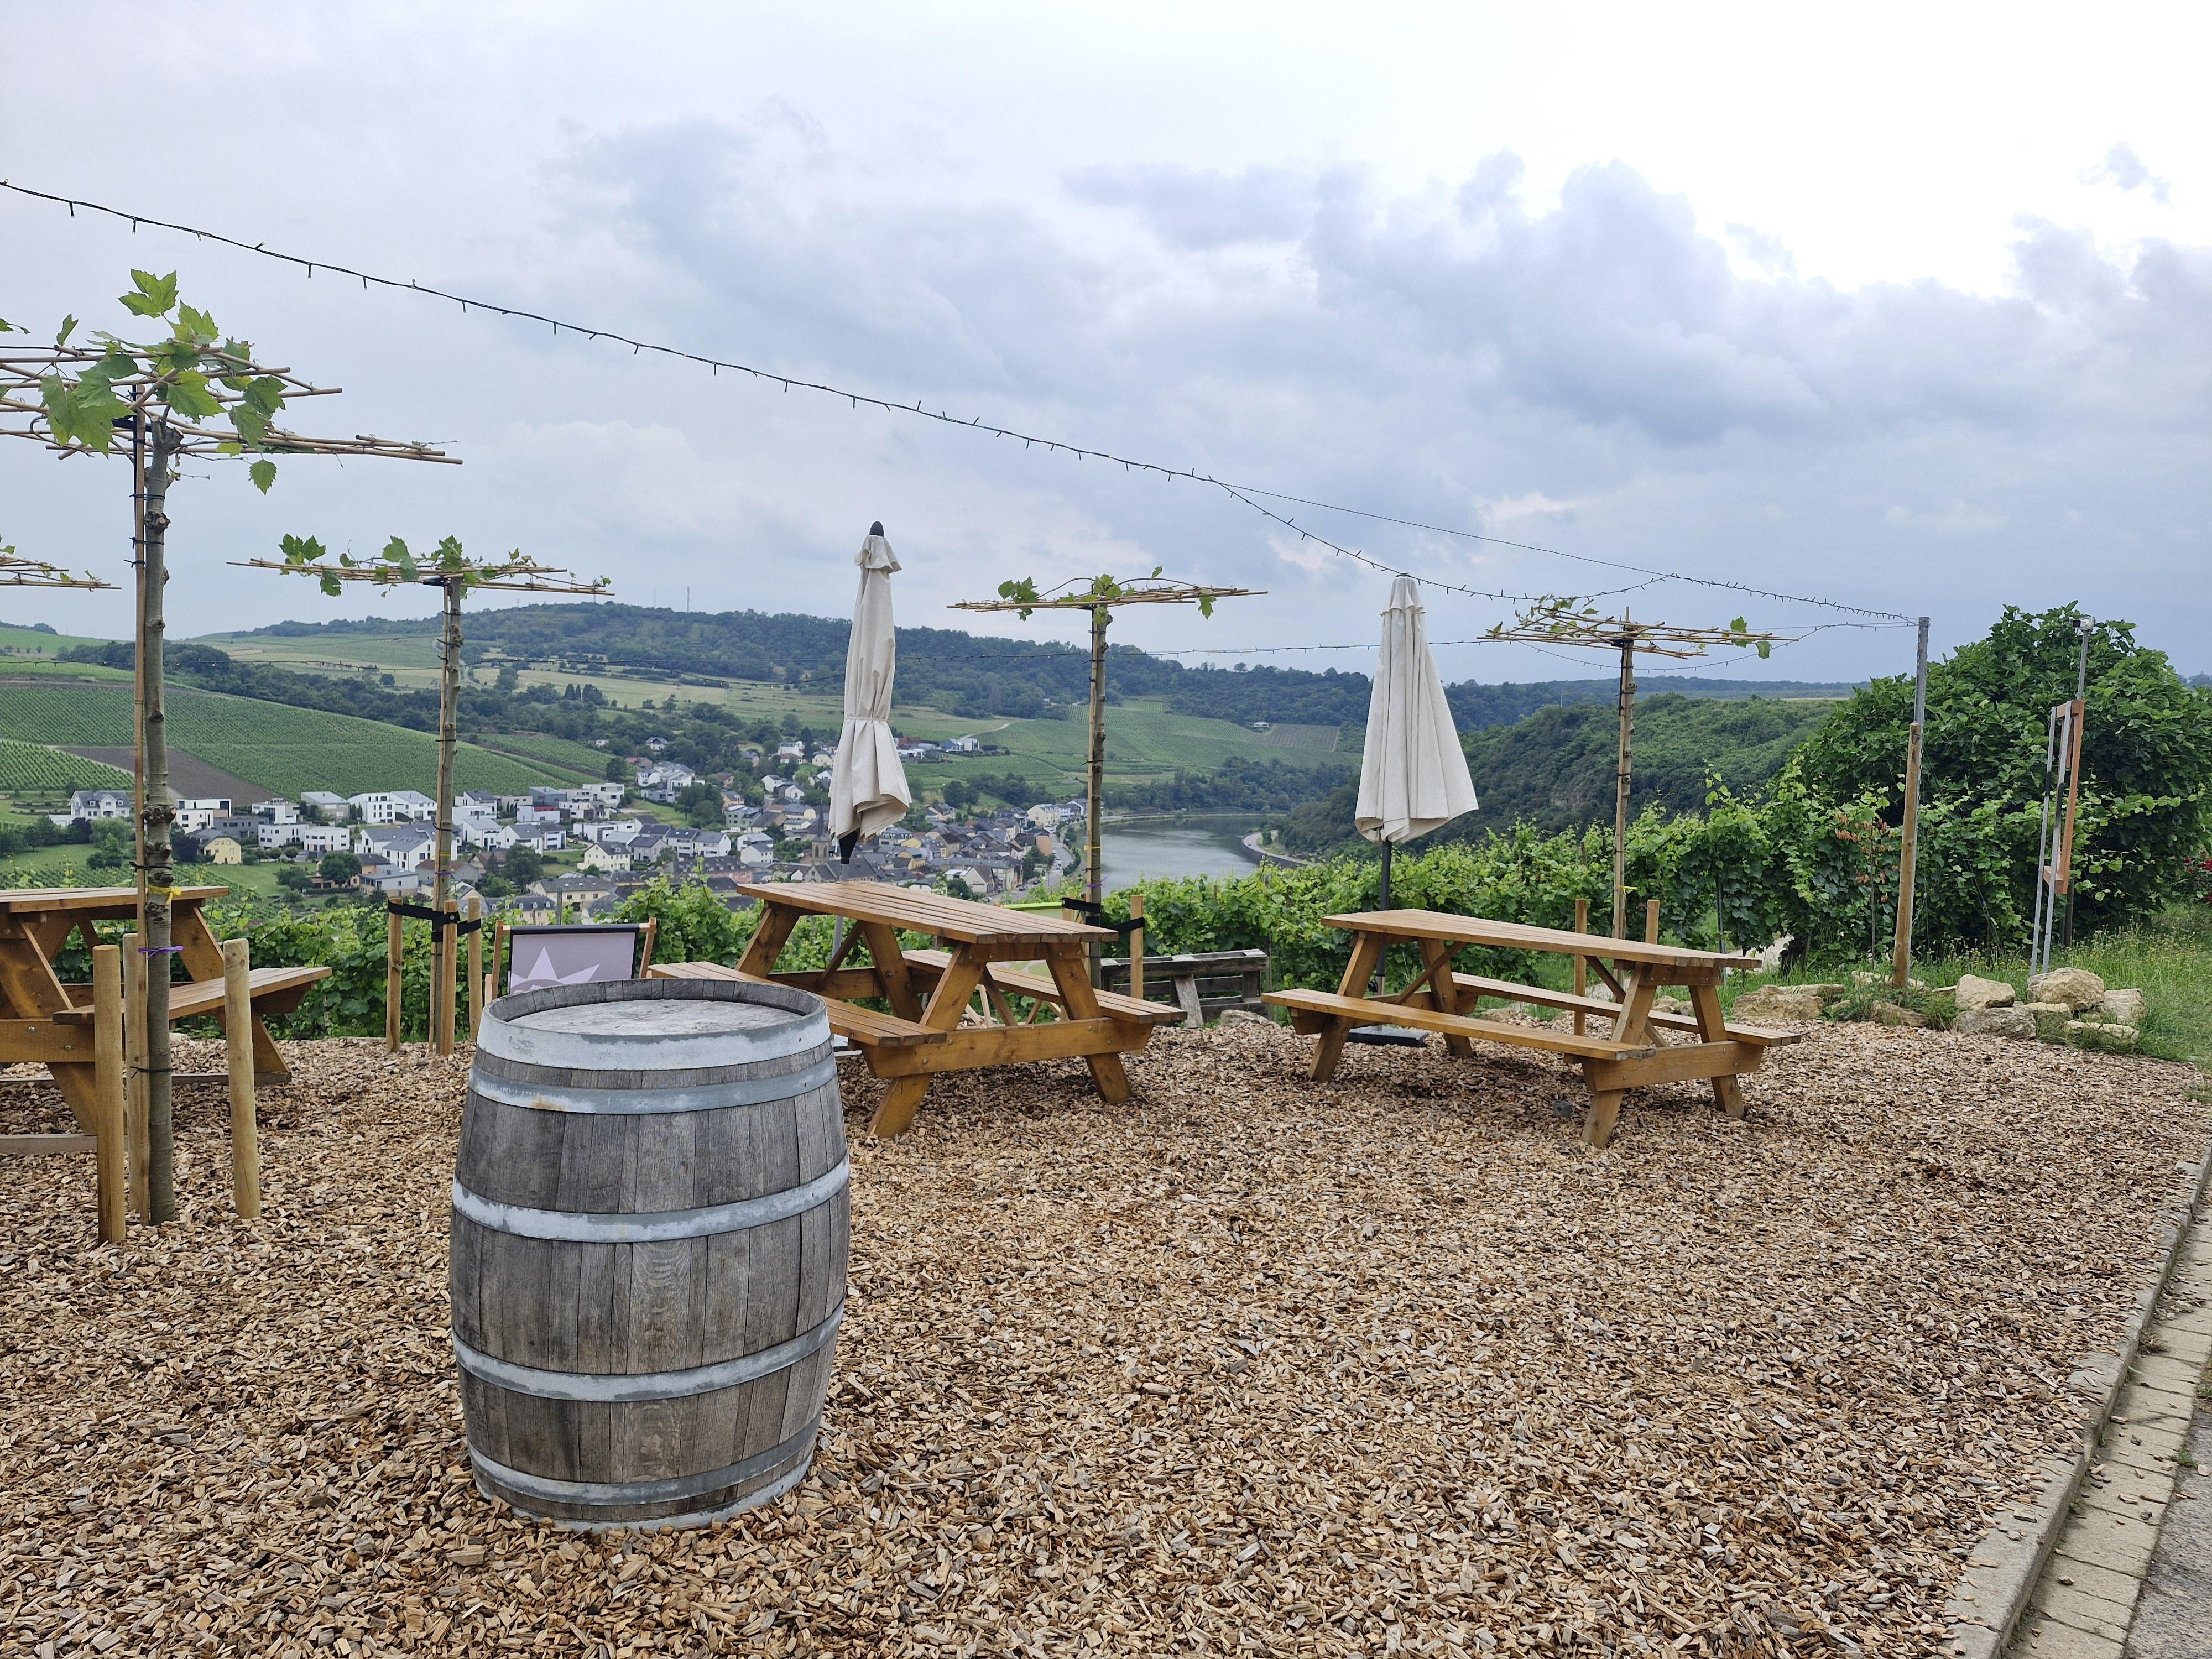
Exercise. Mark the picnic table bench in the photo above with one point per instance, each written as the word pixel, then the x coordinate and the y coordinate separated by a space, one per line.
pixel 1628 1055
pixel 932 1024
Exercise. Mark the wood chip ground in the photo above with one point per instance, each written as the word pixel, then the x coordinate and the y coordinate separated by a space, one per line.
pixel 1247 1366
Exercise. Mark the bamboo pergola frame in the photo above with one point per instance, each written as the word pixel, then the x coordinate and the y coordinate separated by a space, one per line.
pixel 516 574
pixel 1563 621
pixel 159 433
pixel 15 571
pixel 1101 598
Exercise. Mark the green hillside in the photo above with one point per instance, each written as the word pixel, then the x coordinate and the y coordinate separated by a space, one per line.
pixel 1555 769
pixel 33 771
pixel 284 750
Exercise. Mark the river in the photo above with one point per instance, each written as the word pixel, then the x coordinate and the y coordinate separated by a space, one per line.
pixel 1159 847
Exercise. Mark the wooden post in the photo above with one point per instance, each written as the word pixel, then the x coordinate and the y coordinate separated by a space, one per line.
pixel 1908 855
pixel 108 1090
pixel 238 1045
pixel 1620 789
pixel 1581 964
pixel 156 817
pixel 476 966
pixel 392 966
pixel 1652 921
pixel 134 1050
pixel 449 963
pixel 1094 878
pixel 1137 946
pixel 491 973
pixel 644 944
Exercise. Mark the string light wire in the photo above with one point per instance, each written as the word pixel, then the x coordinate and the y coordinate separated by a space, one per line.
pixel 1243 493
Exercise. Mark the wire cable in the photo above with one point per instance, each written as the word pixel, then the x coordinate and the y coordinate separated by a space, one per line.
pixel 1243 493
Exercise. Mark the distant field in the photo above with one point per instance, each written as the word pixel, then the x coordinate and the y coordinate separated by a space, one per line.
pixel 32 770
pixel 543 746
pixel 281 748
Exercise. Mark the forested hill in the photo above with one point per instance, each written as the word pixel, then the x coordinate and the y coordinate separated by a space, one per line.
pixel 1555 769
pixel 976 674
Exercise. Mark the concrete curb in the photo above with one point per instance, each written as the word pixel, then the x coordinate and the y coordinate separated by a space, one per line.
pixel 2004 1568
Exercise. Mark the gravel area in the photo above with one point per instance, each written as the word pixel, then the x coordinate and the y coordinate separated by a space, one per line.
pixel 1249 1364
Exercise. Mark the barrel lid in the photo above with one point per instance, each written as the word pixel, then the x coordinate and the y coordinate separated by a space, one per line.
pixel 662 1017
pixel 654 1025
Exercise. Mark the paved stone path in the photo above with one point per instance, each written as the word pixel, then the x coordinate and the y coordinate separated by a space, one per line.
pixel 2131 1577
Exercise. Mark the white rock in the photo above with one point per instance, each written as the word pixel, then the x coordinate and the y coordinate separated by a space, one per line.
pixel 1977 993
pixel 2077 987
pixel 2110 1038
pixel 2125 1007
pixel 1997 1022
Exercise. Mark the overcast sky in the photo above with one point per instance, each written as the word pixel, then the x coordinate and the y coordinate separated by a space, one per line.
pixel 1905 306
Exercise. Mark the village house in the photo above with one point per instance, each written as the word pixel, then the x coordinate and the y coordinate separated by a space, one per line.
pixel 599 857
pixel 326 806
pixel 384 806
pixel 96 804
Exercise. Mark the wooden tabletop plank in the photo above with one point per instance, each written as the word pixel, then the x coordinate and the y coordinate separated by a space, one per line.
pixel 109 902
pixel 1517 936
pixel 922 912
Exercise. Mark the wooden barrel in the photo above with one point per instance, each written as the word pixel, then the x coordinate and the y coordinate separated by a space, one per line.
pixel 650 1223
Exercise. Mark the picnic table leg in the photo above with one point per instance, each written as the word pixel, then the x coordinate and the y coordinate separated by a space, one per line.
pixel 963 973
pixel 1712 1027
pixel 1366 952
pixel 1639 986
pixel 1604 1112
pixel 767 943
pixel 895 1112
pixel 1071 972
pixel 1436 955
pixel 882 940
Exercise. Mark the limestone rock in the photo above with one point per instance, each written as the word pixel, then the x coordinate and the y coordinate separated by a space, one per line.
pixel 2111 1039
pixel 1974 992
pixel 1889 1013
pixel 1243 1017
pixel 1670 1005
pixel 1781 1004
pixel 2052 1019
pixel 2076 987
pixel 2125 1007
pixel 1997 1022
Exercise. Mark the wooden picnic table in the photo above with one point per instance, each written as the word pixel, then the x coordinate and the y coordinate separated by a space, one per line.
pixel 45 1021
pixel 930 991
pixel 1630 1055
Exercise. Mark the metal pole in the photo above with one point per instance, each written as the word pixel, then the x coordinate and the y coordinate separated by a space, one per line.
pixel 2074 780
pixel 1901 955
pixel 1095 881
pixel 155 817
pixel 1620 788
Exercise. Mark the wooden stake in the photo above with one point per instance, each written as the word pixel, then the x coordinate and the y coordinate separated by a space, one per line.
pixel 1652 921
pixel 447 961
pixel 392 965
pixel 238 1046
pixel 134 1046
pixel 476 966
pixel 1137 946
pixel 108 1022
pixel 1581 964
pixel 1620 790
pixel 646 943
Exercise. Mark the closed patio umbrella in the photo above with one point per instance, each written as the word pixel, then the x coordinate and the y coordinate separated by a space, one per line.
pixel 1413 773
pixel 868 790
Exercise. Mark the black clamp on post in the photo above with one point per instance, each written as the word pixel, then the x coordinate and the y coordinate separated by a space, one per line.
pixel 1096 915
pixel 438 919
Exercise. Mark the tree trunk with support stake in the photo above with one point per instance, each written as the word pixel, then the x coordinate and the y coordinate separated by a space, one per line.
pixel 449 700
pixel 1094 884
pixel 1908 862
pixel 1620 791
pixel 156 817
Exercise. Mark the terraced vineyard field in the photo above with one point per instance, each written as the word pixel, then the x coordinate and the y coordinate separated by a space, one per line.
pixel 33 769
pixel 283 749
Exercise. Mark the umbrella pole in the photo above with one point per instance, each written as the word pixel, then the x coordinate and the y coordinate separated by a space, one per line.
pixel 1383 961
pixel 1620 790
